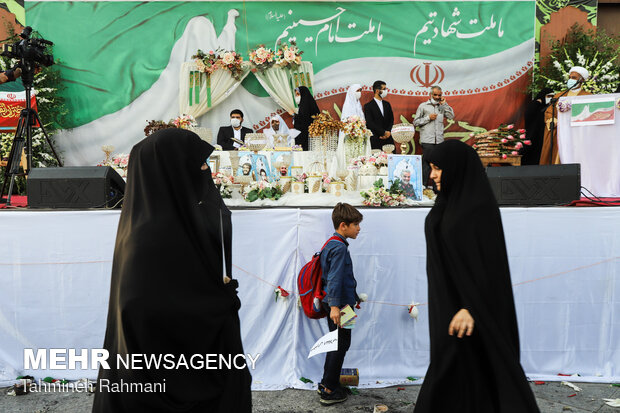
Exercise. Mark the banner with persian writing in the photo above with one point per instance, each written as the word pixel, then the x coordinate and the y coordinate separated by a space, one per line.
pixel 11 106
pixel 123 67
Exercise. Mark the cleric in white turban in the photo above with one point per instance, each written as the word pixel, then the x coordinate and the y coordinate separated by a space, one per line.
pixel 277 126
pixel 577 76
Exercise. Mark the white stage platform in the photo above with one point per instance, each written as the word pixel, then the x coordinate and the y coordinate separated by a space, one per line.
pixel 565 262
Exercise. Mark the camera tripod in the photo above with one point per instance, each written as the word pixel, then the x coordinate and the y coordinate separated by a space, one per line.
pixel 28 119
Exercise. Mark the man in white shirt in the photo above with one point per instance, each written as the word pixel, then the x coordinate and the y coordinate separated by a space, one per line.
pixel 235 130
pixel 379 116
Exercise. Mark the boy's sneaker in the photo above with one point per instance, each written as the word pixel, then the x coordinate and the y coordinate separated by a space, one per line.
pixel 336 396
pixel 320 389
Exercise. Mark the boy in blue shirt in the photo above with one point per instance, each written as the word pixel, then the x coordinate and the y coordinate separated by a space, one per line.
pixel 340 287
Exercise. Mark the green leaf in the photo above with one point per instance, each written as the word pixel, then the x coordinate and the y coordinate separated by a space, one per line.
pixel 252 196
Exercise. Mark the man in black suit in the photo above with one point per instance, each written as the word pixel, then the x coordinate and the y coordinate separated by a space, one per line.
pixel 235 130
pixel 379 117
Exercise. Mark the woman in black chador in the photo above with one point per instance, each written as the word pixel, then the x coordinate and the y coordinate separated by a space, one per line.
pixel 168 295
pixel 535 128
pixel 473 326
pixel 303 118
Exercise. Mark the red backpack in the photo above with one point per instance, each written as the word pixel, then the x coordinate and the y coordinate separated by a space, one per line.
pixel 310 287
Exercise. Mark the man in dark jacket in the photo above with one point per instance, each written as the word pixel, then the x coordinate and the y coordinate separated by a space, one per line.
pixel 379 117
pixel 235 130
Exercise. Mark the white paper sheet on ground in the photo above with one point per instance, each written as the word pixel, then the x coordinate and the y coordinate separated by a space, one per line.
pixel 612 402
pixel 327 343
pixel 571 385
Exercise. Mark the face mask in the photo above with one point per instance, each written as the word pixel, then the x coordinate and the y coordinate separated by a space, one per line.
pixel 571 83
pixel 384 93
pixel 235 122
pixel 547 99
pixel 297 99
pixel 358 95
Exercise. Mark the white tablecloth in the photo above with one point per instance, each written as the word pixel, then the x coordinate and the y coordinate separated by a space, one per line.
pixel 596 148
pixel 55 274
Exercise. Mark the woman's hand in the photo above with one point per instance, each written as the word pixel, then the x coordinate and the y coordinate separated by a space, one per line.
pixel 462 323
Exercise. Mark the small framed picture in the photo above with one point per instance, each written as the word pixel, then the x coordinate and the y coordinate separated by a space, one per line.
pixel 214 163
pixel 407 169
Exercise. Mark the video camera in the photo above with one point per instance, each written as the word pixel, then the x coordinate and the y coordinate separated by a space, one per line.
pixel 30 52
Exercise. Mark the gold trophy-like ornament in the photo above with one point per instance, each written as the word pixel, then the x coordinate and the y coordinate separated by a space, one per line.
pixel 403 134
pixel 255 141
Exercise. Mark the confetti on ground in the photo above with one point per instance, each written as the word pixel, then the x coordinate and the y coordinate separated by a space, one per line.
pixel 305 380
pixel 538 383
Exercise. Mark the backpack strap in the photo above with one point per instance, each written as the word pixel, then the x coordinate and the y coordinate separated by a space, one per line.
pixel 334 238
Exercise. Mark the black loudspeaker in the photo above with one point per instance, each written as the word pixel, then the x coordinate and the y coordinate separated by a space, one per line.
pixel 536 184
pixel 75 187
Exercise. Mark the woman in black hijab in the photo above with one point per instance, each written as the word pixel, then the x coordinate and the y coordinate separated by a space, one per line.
pixel 535 127
pixel 303 118
pixel 472 369
pixel 168 295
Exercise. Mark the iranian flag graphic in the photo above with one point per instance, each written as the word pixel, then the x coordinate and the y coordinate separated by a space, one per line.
pixel 126 67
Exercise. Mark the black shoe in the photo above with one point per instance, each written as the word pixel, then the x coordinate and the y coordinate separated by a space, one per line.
pixel 336 396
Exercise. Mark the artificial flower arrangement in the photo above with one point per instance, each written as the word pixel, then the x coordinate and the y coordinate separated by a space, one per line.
pixel 326 180
pixel 119 162
pixel 207 62
pixel 303 178
pixel 219 59
pixel 503 141
pixel 224 184
pixel 324 123
pixel 378 160
pixel 263 58
pixel 355 129
pixel 289 55
pixel 379 196
pixel 184 121
pixel 262 190
pixel 564 106
pixel 181 122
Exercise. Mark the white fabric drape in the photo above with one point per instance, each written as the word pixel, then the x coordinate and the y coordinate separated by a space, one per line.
pixel 596 148
pixel 220 82
pixel 564 266
pixel 280 83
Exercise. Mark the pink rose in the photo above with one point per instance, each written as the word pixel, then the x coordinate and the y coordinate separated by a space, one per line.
pixel 504 140
pixel 521 131
pixel 522 136
pixel 514 153
pixel 519 145
pixel 510 126
pixel 510 137
pixel 528 142
pixel 504 156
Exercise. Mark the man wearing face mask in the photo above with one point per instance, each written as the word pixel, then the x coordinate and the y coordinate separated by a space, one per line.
pixel 235 130
pixel 379 117
pixel 430 118
pixel 576 77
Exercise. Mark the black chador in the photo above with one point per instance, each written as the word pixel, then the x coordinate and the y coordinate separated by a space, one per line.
pixel 467 268
pixel 168 294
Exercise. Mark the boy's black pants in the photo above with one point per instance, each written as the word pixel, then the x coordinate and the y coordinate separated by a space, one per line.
pixel 334 359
